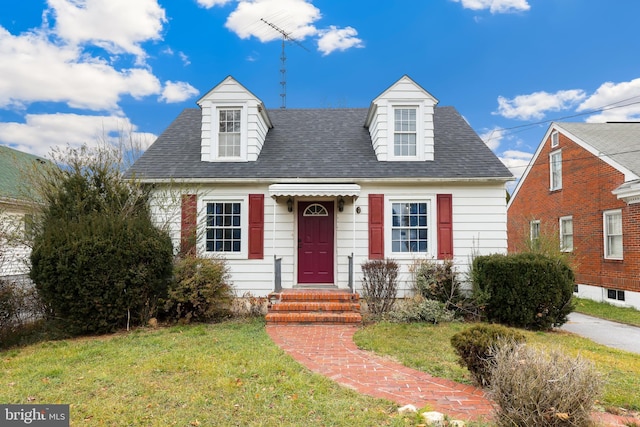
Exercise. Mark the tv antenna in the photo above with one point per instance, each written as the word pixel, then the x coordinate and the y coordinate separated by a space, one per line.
pixel 283 60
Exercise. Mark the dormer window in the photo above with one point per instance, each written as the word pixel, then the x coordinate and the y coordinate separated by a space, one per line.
pixel 229 133
pixel 405 134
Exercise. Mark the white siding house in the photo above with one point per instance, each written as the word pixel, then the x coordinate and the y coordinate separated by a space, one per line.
pixel 14 213
pixel 301 198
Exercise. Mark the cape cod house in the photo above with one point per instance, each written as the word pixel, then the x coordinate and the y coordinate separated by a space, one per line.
pixel 583 187
pixel 300 198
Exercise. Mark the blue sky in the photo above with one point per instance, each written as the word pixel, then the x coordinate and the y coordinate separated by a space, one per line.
pixel 78 72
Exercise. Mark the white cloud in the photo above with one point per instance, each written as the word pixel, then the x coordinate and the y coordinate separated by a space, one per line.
pixel 33 69
pixel 211 3
pixel 493 137
pixel 42 132
pixel 496 6
pixel 177 92
pixel 516 161
pixel 618 102
pixel 338 39
pixel 297 18
pixel 535 105
pixel 119 26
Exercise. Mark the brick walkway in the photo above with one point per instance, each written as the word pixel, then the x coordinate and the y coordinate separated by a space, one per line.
pixel 329 350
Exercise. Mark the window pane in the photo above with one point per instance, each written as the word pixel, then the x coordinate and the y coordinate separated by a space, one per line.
pixel 409 229
pixel 223 227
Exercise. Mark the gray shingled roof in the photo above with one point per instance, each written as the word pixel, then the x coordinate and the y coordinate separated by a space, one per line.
pixel 317 144
pixel 618 141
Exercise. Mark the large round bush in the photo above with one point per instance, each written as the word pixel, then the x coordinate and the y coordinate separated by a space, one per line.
pixel 525 290
pixel 98 273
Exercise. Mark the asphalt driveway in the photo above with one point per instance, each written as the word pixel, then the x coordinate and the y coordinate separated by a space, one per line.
pixel 605 332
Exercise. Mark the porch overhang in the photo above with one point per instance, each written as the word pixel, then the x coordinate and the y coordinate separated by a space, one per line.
pixel 628 192
pixel 314 190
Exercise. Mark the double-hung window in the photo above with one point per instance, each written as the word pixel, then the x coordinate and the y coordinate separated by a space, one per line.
pixel 409 226
pixel 566 234
pixel 613 234
pixel 229 132
pixel 534 231
pixel 555 168
pixel 223 231
pixel 405 132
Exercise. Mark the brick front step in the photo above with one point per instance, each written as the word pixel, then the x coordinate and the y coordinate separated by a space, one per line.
pixel 300 306
pixel 315 318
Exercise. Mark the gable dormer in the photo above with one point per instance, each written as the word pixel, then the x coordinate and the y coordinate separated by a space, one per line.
pixel 234 123
pixel 400 122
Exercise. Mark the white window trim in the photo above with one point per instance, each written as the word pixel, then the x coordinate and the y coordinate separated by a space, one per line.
pixel 215 129
pixel 555 139
pixel 420 148
pixel 551 156
pixel 531 224
pixel 244 226
pixel 430 200
pixel 605 214
pixel 562 247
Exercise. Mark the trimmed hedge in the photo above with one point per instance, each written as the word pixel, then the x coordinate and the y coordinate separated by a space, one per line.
pixel 525 290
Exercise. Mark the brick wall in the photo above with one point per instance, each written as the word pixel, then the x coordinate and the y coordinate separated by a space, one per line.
pixel 587 183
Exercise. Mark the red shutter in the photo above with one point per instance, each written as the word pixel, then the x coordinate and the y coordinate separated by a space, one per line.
pixel 445 226
pixel 256 226
pixel 376 226
pixel 188 224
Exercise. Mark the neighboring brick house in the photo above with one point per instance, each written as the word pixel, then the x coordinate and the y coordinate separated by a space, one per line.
pixel 583 186
pixel 302 197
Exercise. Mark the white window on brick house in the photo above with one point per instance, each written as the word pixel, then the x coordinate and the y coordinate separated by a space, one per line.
pixel 554 140
pixel 612 227
pixel 534 230
pixel 566 234
pixel 555 170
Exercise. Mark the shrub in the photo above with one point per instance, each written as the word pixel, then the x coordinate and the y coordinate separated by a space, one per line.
pixel 380 285
pixel 475 347
pixel 200 290
pixel 525 290
pixel 98 262
pixel 533 388
pixel 19 305
pixel 438 281
pixel 101 273
pixel 420 309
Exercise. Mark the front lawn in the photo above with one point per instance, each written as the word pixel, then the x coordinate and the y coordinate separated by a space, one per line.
pixel 224 374
pixel 427 347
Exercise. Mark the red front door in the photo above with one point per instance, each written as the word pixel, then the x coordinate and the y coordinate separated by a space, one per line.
pixel 315 242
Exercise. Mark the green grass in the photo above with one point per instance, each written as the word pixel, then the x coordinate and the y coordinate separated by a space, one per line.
pixel 427 347
pixel 627 315
pixel 225 374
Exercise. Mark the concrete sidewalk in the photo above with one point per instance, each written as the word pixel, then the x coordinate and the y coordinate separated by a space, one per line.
pixel 611 334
